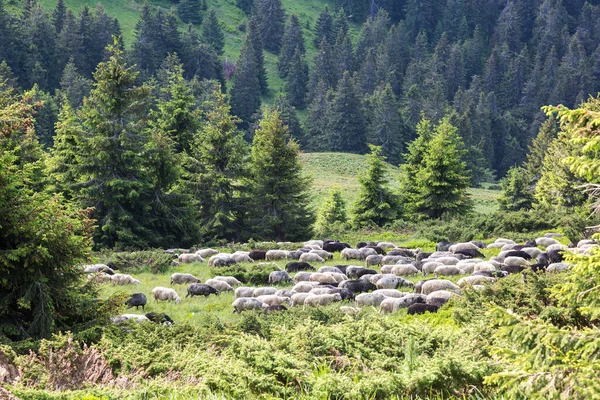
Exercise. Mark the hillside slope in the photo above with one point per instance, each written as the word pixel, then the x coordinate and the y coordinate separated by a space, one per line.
pixel 341 170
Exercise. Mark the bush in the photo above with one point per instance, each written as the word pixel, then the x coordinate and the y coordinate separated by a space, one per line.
pixel 155 261
pixel 251 274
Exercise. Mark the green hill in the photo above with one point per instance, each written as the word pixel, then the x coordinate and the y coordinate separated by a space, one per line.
pixel 342 169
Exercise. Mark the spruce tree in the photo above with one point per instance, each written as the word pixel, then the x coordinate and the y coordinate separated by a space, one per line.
pixel 316 119
pixel 325 68
pixel 376 204
pixel 289 117
pixel 331 212
pixel 443 180
pixel 346 127
pixel 323 28
pixel 292 41
pixel 59 15
pixel 257 44
pixel 245 5
pixel 215 171
pixel 280 197
pixel 212 32
pixel 190 11
pixel 413 163
pixel 270 20
pixel 74 86
pixel 245 91
pixel 516 190
pixel 296 80
pixel 539 148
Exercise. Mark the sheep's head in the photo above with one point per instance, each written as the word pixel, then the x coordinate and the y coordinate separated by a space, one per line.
pixel 178 300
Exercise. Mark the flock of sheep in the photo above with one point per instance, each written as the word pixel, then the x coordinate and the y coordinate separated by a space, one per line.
pixel 363 285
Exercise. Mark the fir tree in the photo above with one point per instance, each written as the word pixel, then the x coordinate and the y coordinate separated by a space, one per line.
pixel 539 148
pixel 296 80
pixel 190 11
pixel 281 202
pixel 215 169
pixel 245 91
pixel 516 190
pixel 270 20
pixel 316 119
pixel 58 15
pixel 331 212
pixel 292 41
pixel 376 204
pixel 414 162
pixel 443 180
pixel 346 128
pixel 257 44
pixel 289 117
pixel 212 32
pixel 323 28
pixel 245 5
pixel 324 69
pixel 74 86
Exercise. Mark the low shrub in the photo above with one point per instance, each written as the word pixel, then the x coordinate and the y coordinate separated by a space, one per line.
pixel 251 274
pixel 154 261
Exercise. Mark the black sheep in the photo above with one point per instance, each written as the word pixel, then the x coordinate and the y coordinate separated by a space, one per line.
pixel 298 266
pixel 365 272
pixel 491 274
pixel 443 246
pixel 378 249
pixel 471 253
pixel 200 289
pixel 258 255
pixel 276 307
pixel 555 256
pixel 159 318
pixel 423 255
pixel 358 286
pixel 512 269
pixel 344 292
pixel 360 245
pixel 530 243
pixel 335 246
pixel 420 308
pixel 402 252
pixel 481 245
pixel 342 268
pixel 518 253
pixel 543 259
pixel 136 300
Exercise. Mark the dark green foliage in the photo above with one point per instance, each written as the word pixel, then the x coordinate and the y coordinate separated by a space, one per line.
pixel 45 117
pixel 316 119
pixel 212 33
pixel 190 11
pixel 292 41
pixel 73 86
pixel 200 61
pixel 257 44
pixel 270 20
pixel 153 261
pixel 346 124
pixel 376 204
pixel 517 191
pixel 59 15
pixel 245 91
pixel 281 202
pixel 250 274
pixel 332 211
pixel 287 113
pixel 296 80
pixel 245 5
pixel 539 148
pixel 323 28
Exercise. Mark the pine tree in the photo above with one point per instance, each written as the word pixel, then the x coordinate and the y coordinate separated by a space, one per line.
pixel 331 212
pixel 292 41
pixel 280 198
pixel 58 15
pixel 215 172
pixel 316 119
pixel 346 127
pixel 245 91
pixel 296 80
pixel 414 163
pixel 323 28
pixel 245 5
pixel 212 32
pixel 325 68
pixel 539 148
pixel 74 86
pixel 386 128
pixel 190 11
pixel 442 181
pixel 516 190
pixel 289 117
pixel 270 19
pixel 376 204
pixel 257 43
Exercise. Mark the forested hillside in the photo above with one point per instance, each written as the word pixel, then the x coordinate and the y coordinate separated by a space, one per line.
pixel 488 64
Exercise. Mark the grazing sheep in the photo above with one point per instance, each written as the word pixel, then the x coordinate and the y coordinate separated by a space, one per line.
pixel 364 272
pixel 302 277
pixel 159 318
pixel 204 253
pixel 373 260
pixel 279 277
pixel 420 283
pixel 471 253
pixel 318 243
pixel 462 246
pixel 304 287
pixel 390 293
pixel 274 255
pixel 447 260
pixel 532 251
pixel 422 309
pixel 495 245
pixel 358 286
pixel 484 266
pixel 247 304
pixel 125 317
pixel 98 268
pixel 443 246
pixel 439 297
pixel 98 277
pixel 335 246
pixel 322 278
pixel 515 261
pixel 368 251
pixel 221 286
pixel 392 259
pixel 474 280
pixel 323 254
pixel 404 270
pixel 429 267
pixel 221 260
pixel 447 270
pixel 352 254
pixel 189 258
pixel 349 310
pixel 557 267
pixel 178 279
pixel 275 308
pixel 339 277
pixel 439 254
pixel 514 270
pixel 515 253
pixel 387 269
pixel 555 256
pixel 298 266
pixel 244 291
pixel 322 299
pixel 392 305
pixel 136 300
pixel 258 255
pixel 285 292
pixel 200 289
pixel 273 299
pixel 123 279
pixel 321 290
pixel 369 299
pixel 491 274
pixel 353 270
pixel 546 241
pixel 298 298
pixel 386 245
pixel 586 242
pixel 239 258
pixel 166 294
pixel 438 284
pixel 262 291
pixel 311 257
pixel 390 282
pixel 329 269
pixel 231 281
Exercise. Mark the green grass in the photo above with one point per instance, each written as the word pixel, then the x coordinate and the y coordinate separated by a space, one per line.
pixel 341 170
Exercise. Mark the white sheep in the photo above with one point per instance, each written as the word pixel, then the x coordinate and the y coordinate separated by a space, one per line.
pixel 298 298
pixel 318 243
pixel 373 260
pixel 248 304
pixel 389 282
pixel 244 291
pixel 123 279
pixel 322 278
pixel 349 310
pixel 462 247
pixel 231 281
pixel 392 259
pixel 274 255
pixel 546 241
pixel 386 245
pixel 328 268
pixel 404 270
pixel 166 294
pixel 532 251
pixel 320 290
pixel 515 261
pixel 586 242
pixel 558 246
pixel 474 280
pixel 221 260
pixel 285 292
pixel 323 254
pixel 368 251
pixel 311 257
pixel 369 299
pixel 430 266
pixel 447 260
pixel 189 258
pixel 447 270
pixel 219 285
pixel 557 267
pixel 204 253
pixel 125 317
pixel 304 287
pixel 435 297
pixel 390 293
pixel 438 284
pixel 484 266
pixel 239 258
pixel 339 277
pixel 322 299
pixel 279 277
pixel 179 278
pixel 273 299
pixel 97 268
pixel 262 291
pixel 392 305
pixel 302 276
